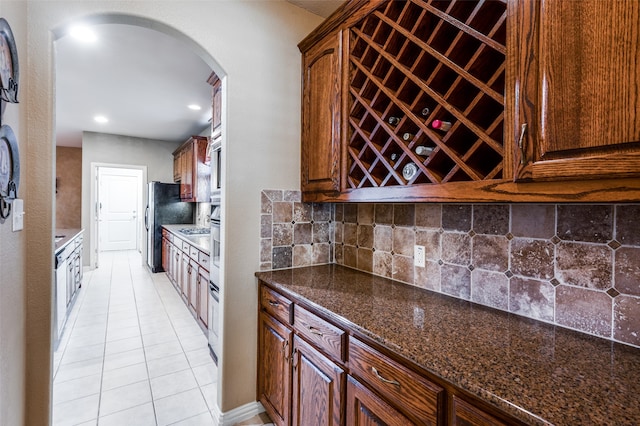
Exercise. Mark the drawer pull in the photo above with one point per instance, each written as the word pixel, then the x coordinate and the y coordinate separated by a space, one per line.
pixel 273 303
pixel 315 331
pixel 391 382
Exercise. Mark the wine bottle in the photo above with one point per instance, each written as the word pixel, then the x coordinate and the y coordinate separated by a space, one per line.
pixel 393 120
pixel 394 156
pixel 441 125
pixel 424 150
pixel 425 112
pixel 407 136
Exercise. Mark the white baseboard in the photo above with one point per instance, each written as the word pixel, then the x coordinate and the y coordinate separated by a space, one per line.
pixel 237 415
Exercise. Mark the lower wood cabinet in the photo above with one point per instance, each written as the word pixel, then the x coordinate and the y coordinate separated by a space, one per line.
pixel 188 270
pixel 318 387
pixel 315 371
pixel 365 408
pixel 203 297
pixel 420 399
pixel 274 380
pixel 467 414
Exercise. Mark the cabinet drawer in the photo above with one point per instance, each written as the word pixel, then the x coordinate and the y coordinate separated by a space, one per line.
pixel 324 335
pixel 465 413
pixel 194 253
pixel 275 304
pixel 203 260
pixel 405 388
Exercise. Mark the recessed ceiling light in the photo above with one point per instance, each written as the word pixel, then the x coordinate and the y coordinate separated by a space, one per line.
pixel 83 33
pixel 195 107
pixel 100 119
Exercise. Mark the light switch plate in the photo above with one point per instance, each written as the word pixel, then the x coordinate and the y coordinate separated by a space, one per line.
pixel 17 212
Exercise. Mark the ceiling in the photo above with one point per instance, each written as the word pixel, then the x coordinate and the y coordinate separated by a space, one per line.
pixel 143 94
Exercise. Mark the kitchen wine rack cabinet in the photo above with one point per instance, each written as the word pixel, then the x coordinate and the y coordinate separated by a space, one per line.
pixel 433 95
pixel 406 66
pixel 411 63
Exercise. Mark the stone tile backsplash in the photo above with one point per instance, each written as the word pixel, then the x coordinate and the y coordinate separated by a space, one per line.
pixel 577 266
pixel 293 233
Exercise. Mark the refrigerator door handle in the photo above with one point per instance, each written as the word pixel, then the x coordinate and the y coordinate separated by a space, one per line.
pixel 146 217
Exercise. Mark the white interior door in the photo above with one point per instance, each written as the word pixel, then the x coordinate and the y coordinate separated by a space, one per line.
pixel 118 208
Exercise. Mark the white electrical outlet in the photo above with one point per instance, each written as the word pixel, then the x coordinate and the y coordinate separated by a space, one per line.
pixel 418 256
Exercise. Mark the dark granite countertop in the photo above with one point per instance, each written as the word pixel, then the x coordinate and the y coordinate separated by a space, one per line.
pixel 537 372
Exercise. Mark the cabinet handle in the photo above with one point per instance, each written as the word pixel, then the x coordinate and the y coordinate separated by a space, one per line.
pixel 523 130
pixel 273 303
pixel 391 382
pixel 314 330
pixel 294 358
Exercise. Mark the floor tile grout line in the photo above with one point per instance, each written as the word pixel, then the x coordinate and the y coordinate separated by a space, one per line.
pixel 138 290
pixel 144 351
pixel 106 330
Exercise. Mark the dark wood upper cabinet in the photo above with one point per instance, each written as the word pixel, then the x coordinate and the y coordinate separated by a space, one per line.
pixel 191 170
pixel 579 97
pixel 216 96
pixel 321 99
pixel 473 101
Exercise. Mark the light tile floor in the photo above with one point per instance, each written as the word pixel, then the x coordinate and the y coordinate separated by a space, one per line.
pixel 132 353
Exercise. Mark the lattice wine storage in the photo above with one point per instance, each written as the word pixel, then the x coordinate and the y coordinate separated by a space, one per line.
pixel 426 93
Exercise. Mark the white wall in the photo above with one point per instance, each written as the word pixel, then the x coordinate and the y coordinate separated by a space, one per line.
pixel 13 246
pixel 115 149
pixel 254 46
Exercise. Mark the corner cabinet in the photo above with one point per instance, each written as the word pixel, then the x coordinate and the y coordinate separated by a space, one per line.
pixel 191 170
pixel 472 101
pixel 578 100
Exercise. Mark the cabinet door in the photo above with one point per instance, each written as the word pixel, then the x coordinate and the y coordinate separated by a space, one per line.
pixel 318 388
pixel 186 181
pixel 166 254
pixel 321 100
pixel 274 367
pixel 365 408
pixel 177 166
pixel 184 277
pixel 216 122
pixel 579 99
pixel 203 296
pixel 193 286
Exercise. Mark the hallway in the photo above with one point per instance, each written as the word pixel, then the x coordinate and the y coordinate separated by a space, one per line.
pixel 131 353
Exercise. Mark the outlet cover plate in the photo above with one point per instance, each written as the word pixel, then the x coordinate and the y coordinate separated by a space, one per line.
pixel 418 256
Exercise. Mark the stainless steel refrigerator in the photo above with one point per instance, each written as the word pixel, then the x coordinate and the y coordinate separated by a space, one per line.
pixel 163 208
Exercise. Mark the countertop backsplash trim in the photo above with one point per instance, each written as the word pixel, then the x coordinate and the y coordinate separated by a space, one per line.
pixel 575 266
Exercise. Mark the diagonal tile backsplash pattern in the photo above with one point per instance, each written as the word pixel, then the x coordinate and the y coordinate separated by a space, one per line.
pixel 577 266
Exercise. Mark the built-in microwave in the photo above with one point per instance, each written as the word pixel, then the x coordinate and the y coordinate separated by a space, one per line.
pixel 215 152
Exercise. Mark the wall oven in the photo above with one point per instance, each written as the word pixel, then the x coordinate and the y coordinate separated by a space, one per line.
pixel 214 284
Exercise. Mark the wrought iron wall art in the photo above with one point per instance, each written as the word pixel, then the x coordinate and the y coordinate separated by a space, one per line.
pixel 9 69
pixel 9 155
